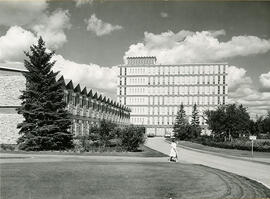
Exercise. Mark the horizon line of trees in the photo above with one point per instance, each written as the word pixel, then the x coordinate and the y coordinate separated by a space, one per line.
pixel 226 122
pixel 233 121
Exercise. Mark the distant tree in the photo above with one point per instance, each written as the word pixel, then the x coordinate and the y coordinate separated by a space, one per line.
pixel 256 127
pixel 195 116
pixel 215 120
pixel 46 121
pixel 181 125
pixel 228 121
pixel 260 126
pixel 266 124
pixel 195 127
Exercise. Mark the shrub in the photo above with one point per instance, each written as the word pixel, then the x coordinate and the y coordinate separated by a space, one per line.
pixel 7 147
pixel 241 144
pixel 132 137
pixel 109 137
pixel 115 142
pixel 78 147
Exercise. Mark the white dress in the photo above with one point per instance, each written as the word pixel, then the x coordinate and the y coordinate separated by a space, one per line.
pixel 173 152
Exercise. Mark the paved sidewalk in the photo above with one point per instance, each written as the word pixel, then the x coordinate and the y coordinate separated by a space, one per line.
pixel 253 170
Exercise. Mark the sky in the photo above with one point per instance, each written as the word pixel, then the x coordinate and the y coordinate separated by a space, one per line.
pixel 92 37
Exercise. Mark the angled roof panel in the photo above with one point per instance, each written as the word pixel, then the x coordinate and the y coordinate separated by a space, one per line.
pixel 100 97
pixel 62 80
pixel 95 95
pixel 77 89
pixel 69 85
pixel 84 91
pixel 90 93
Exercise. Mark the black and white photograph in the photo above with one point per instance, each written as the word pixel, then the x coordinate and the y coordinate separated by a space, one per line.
pixel 134 99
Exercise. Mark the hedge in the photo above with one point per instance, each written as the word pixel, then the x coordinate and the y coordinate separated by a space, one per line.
pixel 262 146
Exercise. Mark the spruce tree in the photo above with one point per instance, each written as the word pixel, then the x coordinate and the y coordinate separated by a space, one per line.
pixel 195 117
pixel 46 121
pixel 180 127
pixel 195 129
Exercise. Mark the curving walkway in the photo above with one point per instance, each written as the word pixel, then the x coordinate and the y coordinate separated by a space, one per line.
pixel 253 170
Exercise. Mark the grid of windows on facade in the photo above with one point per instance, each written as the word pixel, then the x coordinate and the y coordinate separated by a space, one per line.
pixel 88 108
pixel 154 92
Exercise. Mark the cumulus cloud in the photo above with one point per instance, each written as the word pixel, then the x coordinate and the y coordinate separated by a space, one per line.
pixel 79 3
pixel 265 80
pixel 243 91
pixel 14 42
pixel 17 39
pixel 89 75
pixel 237 77
pixel 187 46
pixel 100 27
pixel 17 12
pixel 52 27
pixel 164 14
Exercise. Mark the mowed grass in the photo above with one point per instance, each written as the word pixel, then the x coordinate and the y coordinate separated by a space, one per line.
pixel 114 180
pixel 105 180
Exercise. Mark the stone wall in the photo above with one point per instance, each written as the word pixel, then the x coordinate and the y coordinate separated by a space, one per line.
pixel 8 127
pixel 11 83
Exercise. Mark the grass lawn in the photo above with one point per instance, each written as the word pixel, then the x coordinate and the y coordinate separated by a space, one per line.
pixel 233 152
pixel 120 180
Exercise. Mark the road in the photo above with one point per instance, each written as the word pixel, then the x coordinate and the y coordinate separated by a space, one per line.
pixel 252 170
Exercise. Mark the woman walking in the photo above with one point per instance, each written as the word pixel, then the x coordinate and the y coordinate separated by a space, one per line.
pixel 173 152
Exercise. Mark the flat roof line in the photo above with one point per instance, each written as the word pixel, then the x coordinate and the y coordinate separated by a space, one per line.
pixel 183 64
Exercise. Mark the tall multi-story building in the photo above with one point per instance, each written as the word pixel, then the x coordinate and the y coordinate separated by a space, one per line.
pixel 154 92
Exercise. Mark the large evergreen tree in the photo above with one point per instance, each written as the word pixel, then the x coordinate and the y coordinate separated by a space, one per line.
pixel 181 125
pixel 46 122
